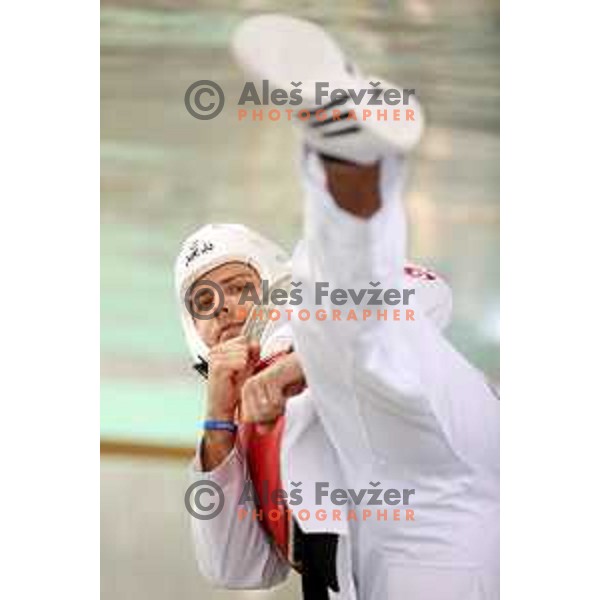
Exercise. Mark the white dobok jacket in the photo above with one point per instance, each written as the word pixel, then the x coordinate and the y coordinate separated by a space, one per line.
pixel 389 405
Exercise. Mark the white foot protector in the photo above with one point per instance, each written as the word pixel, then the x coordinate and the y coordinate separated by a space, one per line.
pixel 292 54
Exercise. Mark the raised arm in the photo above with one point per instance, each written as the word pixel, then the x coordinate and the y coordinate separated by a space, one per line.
pixel 231 552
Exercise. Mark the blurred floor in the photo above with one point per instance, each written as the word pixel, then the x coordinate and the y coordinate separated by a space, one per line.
pixel 146 550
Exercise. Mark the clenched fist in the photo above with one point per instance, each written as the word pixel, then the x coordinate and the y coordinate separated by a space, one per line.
pixel 264 394
pixel 229 366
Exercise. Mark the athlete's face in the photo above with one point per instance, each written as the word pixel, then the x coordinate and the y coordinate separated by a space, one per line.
pixel 231 278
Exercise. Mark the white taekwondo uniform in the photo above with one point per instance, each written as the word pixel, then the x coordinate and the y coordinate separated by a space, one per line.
pixel 389 405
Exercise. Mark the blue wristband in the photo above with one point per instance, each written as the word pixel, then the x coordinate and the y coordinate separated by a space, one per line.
pixel 216 425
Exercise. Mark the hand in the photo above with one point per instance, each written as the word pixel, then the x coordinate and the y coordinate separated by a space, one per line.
pixel 230 364
pixel 264 395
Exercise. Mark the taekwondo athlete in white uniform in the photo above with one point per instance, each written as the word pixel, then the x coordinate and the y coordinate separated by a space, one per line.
pixel 388 404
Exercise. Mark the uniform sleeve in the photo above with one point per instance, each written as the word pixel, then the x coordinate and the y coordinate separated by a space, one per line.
pixel 232 552
pixel 377 379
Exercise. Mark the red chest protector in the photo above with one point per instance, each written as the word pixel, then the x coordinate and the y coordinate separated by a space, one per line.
pixel 263 454
pixel 263 459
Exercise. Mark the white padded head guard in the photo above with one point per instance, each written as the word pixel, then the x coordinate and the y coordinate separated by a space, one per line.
pixel 213 246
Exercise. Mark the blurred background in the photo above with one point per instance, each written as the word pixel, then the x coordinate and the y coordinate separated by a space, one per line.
pixel 165 173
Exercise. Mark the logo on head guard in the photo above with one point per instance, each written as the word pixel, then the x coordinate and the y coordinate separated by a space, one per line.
pixel 196 251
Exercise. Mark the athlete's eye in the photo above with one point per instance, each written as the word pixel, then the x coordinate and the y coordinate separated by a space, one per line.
pixel 205 300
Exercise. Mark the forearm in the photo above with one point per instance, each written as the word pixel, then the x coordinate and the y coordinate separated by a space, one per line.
pixel 215 447
pixel 222 400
